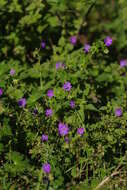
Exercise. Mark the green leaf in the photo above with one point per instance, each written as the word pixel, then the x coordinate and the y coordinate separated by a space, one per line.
pixel 74 172
pixel 90 107
pixel 15 93
pixel 53 21
pixel 35 95
pixel 105 77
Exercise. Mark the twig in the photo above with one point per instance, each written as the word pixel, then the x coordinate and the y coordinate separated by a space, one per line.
pixel 116 172
pixel 105 180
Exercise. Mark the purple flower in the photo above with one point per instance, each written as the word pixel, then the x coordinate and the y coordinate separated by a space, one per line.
pixel 118 112
pixel 72 104
pixel 12 72
pixel 50 93
pixel 67 86
pixel 108 41
pixel 73 40
pixel 63 129
pixel 22 102
pixel 49 112
pixel 44 138
pixel 59 65
pixel 123 63
pixel 1 91
pixel 87 48
pixel 80 131
pixel 35 111
pixel 43 44
pixel 46 168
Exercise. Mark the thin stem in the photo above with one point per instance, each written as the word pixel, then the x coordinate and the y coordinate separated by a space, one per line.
pixel 39 180
pixel 80 118
pixel 48 185
pixel 39 63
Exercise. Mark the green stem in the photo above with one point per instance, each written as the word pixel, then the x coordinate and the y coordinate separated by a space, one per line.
pixel 40 74
pixel 40 80
pixel 80 118
pixel 39 180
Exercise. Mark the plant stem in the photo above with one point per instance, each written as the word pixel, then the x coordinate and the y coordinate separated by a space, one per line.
pixel 48 185
pixel 39 180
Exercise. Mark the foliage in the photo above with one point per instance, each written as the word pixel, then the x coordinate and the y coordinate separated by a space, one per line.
pixel 98 88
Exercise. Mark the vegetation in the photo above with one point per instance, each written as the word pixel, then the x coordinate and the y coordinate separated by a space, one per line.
pixel 63 100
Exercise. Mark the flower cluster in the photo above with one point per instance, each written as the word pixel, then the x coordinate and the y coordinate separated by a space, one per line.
pixel 63 129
